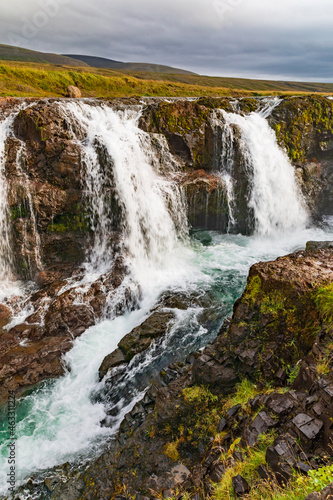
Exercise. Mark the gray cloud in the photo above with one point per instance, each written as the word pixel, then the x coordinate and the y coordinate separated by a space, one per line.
pixel 289 39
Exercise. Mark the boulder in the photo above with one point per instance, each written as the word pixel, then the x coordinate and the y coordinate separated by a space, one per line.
pixel 73 92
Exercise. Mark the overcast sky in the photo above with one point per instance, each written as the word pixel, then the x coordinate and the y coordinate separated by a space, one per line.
pixel 274 39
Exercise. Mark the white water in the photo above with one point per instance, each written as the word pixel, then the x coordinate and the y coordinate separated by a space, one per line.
pixel 274 195
pixel 59 422
pixel 9 286
pixel 153 215
pixel 31 224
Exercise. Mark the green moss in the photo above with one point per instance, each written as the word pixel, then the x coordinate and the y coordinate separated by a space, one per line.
pixel 253 289
pixel 18 212
pixel 69 222
pixel 183 119
pixel 323 298
pixel 307 117
pixel 274 303
pixel 194 421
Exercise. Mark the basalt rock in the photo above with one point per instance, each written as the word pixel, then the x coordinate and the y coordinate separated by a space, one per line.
pixel 274 323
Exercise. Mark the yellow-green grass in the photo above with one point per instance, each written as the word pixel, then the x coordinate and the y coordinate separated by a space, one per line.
pixel 47 80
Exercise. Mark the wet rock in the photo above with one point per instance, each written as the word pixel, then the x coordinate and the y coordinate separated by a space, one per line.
pixel 112 360
pixel 316 245
pixel 5 314
pixel 240 485
pixel 141 337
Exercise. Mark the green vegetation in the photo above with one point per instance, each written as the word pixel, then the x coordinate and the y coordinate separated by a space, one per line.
pixel 324 302
pixel 296 135
pixel 321 477
pixel 69 222
pixel 195 422
pixel 244 391
pixel 42 79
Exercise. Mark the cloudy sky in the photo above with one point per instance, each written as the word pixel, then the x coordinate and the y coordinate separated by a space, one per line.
pixel 279 39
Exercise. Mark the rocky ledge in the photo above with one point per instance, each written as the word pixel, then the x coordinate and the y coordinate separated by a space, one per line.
pixel 249 416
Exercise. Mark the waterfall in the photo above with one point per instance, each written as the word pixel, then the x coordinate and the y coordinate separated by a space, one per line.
pixel 135 209
pixel 126 189
pixel 33 255
pixel 273 194
pixel 5 249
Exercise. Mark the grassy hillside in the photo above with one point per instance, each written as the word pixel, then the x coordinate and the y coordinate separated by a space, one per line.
pixel 10 53
pixel 101 62
pixel 44 80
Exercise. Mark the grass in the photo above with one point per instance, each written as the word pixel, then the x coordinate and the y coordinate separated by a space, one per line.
pixel 244 391
pixel 23 79
pixel 324 303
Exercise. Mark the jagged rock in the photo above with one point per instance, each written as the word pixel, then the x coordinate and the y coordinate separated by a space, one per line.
pixel 280 460
pixel 73 92
pixel 281 404
pixel 240 485
pixel 276 309
pixel 217 473
pixel 304 468
pixel 222 425
pixel 265 474
pixel 309 426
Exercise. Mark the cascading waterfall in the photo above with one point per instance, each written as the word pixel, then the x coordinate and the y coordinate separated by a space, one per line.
pixel 227 170
pixel 5 249
pixel 122 184
pixel 120 164
pixel 9 286
pixel 137 211
pixel 32 223
pixel 274 195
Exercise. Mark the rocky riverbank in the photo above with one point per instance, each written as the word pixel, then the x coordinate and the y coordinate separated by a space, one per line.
pixel 246 414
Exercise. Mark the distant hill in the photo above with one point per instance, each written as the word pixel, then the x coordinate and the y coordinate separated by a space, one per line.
pixel 10 53
pixel 102 62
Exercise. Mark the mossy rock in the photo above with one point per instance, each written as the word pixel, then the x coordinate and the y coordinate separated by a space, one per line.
pixel 303 124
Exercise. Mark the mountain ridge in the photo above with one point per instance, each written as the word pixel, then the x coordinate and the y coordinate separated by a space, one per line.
pixel 103 62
